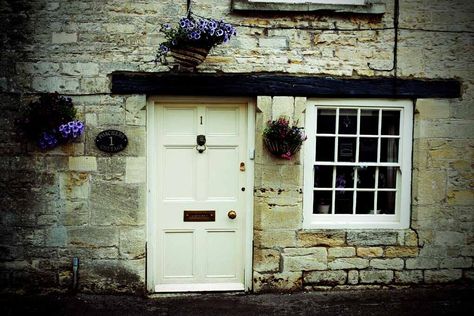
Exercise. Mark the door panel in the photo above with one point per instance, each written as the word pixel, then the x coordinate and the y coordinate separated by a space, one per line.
pixel 222 178
pixel 178 256
pixel 191 254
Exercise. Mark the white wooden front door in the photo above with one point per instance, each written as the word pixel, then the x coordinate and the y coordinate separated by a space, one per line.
pixel 198 247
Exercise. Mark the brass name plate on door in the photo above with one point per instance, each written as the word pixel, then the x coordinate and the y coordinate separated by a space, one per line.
pixel 199 216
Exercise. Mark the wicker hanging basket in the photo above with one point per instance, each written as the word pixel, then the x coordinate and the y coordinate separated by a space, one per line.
pixel 189 56
pixel 281 149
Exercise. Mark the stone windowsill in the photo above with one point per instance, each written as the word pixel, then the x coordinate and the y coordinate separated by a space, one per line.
pixel 371 7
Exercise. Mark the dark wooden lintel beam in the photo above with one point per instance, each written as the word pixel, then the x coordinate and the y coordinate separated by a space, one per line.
pixel 254 84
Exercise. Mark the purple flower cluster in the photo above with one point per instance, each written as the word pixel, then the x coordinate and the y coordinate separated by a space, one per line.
pixel 47 141
pixel 71 130
pixel 64 133
pixel 199 32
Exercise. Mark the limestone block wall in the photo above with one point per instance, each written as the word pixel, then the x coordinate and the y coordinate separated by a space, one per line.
pixel 437 248
pixel 76 201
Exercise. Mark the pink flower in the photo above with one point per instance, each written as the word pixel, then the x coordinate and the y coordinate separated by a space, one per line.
pixel 286 155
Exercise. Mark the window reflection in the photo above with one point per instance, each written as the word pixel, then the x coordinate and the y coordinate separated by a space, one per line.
pixel 390 122
pixel 326 122
pixel 346 149
pixel 323 176
pixel 325 148
pixel 369 122
pixel 389 150
pixel 368 150
pixel 347 121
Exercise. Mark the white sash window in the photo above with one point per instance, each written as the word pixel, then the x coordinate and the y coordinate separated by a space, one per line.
pixel 358 163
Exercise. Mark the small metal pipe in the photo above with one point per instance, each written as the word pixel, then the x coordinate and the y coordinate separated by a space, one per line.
pixel 75 268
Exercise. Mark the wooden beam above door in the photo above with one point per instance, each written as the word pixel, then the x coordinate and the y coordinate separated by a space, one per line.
pixel 274 84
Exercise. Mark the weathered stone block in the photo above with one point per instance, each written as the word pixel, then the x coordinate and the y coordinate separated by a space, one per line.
pixel 135 170
pixel 59 84
pixel 80 69
pixel 376 277
pixel 283 106
pixel 442 276
pixel 317 260
pixel 119 276
pixel 273 42
pixel 458 197
pixel 394 264
pixel 348 263
pixel 277 282
pixel 456 263
pixel 83 163
pixel 401 252
pixel 279 217
pixel 353 277
pixel 275 238
pixel 449 238
pixel 432 108
pixel 429 186
pixel 74 185
pixel 422 263
pixel 56 236
pixel 327 238
pixel 409 277
pixel 266 260
pixel 330 278
pixel 374 238
pixel 338 252
pixel 132 243
pixel 93 237
pixel 411 238
pixel 369 251
pixel 64 38
pixel 117 204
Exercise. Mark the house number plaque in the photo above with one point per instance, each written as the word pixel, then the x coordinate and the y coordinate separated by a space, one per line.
pixel 199 216
pixel 111 141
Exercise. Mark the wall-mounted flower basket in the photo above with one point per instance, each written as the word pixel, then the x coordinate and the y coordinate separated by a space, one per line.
pixel 193 38
pixel 282 140
pixel 189 56
pixel 50 121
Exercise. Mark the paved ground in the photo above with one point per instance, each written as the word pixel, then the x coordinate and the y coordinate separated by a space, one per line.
pixel 419 302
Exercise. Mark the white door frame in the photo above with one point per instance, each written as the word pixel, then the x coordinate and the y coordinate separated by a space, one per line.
pixel 151 262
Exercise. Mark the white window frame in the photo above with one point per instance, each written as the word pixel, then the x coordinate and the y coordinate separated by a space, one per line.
pixel 401 218
pixel 337 2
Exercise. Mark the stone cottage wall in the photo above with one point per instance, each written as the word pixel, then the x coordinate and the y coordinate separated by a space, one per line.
pixel 76 201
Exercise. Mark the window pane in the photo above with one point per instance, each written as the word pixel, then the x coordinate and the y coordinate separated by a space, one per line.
pixel 326 121
pixel 390 122
pixel 366 177
pixel 344 177
pixel 323 176
pixel 344 202
pixel 346 149
pixel 388 177
pixel 368 150
pixel 389 150
pixel 365 203
pixel 347 121
pixel 369 122
pixel 324 148
pixel 386 202
pixel 322 202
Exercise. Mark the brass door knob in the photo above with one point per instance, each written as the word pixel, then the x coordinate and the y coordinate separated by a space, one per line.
pixel 232 214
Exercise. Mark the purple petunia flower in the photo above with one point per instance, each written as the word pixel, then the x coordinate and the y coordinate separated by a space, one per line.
pixel 47 141
pixel 71 130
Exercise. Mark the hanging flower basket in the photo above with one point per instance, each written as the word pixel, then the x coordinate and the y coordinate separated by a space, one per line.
pixel 189 56
pixel 50 121
pixel 193 38
pixel 282 140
